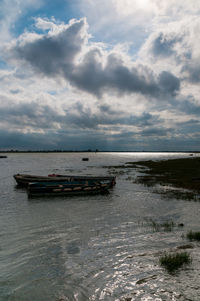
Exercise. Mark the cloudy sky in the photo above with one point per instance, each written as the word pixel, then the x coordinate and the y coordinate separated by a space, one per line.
pixel 100 74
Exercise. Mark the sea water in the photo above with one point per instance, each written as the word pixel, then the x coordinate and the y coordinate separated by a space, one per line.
pixel 100 247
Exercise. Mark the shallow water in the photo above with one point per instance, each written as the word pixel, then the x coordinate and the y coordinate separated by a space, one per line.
pixel 91 247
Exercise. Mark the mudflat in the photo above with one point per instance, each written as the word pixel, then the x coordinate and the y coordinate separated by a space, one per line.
pixel 181 173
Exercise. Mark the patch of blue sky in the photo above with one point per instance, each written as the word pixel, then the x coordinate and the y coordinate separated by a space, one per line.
pixel 4 65
pixel 131 36
pixel 60 10
pixel 52 92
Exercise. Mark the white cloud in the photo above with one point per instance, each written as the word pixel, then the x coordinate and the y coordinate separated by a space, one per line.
pixel 104 91
pixel 54 54
pixel 11 11
pixel 132 21
pixel 176 48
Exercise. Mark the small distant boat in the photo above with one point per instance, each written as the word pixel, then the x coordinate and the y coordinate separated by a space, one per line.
pixel 2 157
pixel 85 159
pixel 65 189
pixel 25 179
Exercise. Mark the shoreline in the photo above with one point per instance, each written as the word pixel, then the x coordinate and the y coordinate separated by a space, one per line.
pixel 95 151
pixel 182 176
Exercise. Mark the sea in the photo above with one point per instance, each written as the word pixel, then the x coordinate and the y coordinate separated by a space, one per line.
pixel 99 247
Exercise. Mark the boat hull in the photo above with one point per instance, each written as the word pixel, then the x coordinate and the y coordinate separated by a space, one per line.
pixel 53 189
pixel 25 179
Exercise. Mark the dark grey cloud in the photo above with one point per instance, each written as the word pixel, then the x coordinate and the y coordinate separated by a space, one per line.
pixel 28 114
pixel 169 82
pixel 106 109
pixel 156 131
pixel 180 46
pixel 54 55
pixel 83 140
pixel 69 140
pixel 189 106
pixel 163 44
pixel 39 117
pixel 193 70
pixel 95 78
pixel 15 91
pixel 190 127
pixel 173 45
pixel 80 128
pixel 85 118
pixel 19 140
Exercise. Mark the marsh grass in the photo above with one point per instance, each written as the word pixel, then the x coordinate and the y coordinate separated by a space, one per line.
pixel 179 195
pixel 181 173
pixel 165 226
pixel 172 262
pixel 193 235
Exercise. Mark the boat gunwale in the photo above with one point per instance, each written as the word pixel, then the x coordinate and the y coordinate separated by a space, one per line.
pixel 25 179
pixel 38 192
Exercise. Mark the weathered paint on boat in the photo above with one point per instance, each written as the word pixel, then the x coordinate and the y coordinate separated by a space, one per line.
pixel 55 189
pixel 25 179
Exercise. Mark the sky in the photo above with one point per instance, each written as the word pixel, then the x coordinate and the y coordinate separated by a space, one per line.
pixel 121 75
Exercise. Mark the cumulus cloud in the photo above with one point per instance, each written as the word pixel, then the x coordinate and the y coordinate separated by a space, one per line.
pixel 169 82
pixel 28 116
pixel 53 53
pixel 94 70
pixel 189 106
pixel 61 88
pixel 105 116
pixel 41 126
pixel 156 131
pixel 177 46
pixel 35 117
pixel 163 46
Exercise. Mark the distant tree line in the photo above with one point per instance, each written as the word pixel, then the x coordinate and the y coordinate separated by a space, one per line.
pixel 47 151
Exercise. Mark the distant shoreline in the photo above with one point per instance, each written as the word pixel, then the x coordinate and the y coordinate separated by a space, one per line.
pixel 94 151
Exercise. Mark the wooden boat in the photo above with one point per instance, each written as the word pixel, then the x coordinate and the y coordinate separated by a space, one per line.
pixel 25 179
pixel 62 188
pixel 2 157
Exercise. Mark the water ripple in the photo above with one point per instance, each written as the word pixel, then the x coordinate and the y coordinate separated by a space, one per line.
pixel 95 248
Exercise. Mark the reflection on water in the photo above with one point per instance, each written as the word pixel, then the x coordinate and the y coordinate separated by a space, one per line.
pixel 91 248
